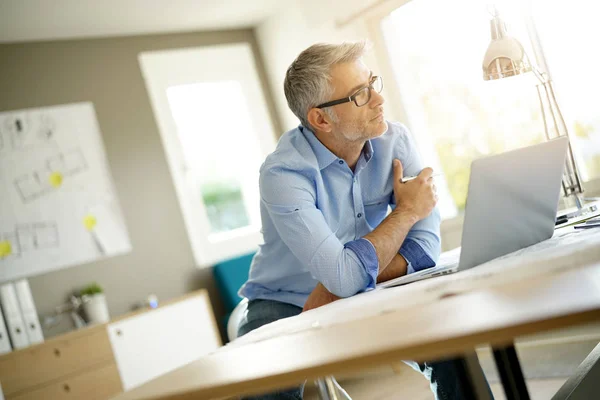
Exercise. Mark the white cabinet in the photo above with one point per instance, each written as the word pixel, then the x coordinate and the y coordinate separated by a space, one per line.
pixel 153 343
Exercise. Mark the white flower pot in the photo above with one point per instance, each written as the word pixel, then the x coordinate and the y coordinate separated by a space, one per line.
pixel 96 309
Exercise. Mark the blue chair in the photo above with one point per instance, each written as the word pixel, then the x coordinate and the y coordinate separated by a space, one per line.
pixel 229 276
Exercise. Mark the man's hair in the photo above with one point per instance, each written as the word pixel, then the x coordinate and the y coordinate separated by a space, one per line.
pixel 308 79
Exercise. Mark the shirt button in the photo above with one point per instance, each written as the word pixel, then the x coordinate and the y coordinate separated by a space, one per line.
pixel 341 162
pixel 359 215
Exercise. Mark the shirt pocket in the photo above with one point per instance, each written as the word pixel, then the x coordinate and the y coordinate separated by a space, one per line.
pixel 376 210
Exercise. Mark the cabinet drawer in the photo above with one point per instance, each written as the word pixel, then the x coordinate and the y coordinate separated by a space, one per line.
pixel 95 384
pixel 49 361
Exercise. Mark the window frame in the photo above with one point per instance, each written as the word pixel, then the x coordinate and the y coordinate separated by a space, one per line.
pixel 235 60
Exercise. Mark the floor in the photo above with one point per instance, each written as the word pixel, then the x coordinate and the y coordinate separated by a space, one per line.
pixel 402 382
pixel 546 366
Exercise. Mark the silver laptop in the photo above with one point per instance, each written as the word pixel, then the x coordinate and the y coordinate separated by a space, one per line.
pixel 511 204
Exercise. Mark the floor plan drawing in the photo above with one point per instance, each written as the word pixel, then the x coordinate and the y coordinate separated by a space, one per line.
pixel 28 238
pixel 40 182
pixel 58 204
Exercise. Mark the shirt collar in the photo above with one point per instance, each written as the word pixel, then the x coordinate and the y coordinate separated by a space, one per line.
pixel 323 154
pixel 368 150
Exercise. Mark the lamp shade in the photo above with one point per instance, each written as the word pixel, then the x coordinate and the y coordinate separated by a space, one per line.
pixel 505 56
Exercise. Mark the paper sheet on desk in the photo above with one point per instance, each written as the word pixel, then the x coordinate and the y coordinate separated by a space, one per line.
pixel 363 305
pixel 449 257
pixel 567 249
pixel 594 212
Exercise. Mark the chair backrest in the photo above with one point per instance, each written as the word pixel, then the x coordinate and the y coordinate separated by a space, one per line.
pixel 230 275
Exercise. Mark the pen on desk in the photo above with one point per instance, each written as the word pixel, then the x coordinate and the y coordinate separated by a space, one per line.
pixel 410 178
pixel 561 219
pixel 566 217
pixel 587 226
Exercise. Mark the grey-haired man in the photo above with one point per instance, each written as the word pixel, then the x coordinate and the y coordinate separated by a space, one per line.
pixel 325 193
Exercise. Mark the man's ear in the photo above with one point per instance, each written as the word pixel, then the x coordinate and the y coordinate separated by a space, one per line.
pixel 319 120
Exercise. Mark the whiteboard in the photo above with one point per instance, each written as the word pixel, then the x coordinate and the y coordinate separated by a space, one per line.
pixel 58 206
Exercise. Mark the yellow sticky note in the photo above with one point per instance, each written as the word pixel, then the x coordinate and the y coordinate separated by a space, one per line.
pixel 56 179
pixel 89 221
pixel 5 248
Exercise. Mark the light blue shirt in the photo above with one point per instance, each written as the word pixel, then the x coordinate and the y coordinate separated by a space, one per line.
pixel 315 212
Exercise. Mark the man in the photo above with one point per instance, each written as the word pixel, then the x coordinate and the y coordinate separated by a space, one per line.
pixel 325 193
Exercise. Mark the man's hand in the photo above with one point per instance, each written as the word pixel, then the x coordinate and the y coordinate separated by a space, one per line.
pixel 416 197
pixel 319 297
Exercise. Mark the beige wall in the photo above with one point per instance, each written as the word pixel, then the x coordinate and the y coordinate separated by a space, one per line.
pixel 106 72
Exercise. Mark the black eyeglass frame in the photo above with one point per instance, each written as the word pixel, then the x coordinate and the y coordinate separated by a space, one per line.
pixel 352 97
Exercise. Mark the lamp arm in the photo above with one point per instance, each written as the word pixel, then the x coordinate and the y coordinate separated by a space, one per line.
pixel 571 165
pixel 573 184
pixel 541 76
pixel 543 109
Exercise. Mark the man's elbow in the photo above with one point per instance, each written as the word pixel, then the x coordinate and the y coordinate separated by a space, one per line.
pixel 340 289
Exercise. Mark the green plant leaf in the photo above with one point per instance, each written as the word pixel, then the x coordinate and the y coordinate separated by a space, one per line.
pixel 91 289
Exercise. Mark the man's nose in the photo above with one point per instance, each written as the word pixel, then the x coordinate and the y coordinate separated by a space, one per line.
pixel 376 99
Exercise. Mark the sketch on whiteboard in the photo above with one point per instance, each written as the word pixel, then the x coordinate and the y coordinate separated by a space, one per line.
pixel 26 238
pixel 26 130
pixel 42 181
pixel 56 192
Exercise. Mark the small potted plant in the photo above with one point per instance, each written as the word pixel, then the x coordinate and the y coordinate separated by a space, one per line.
pixel 94 304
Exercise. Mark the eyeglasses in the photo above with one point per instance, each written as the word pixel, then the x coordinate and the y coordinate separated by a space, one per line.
pixel 361 96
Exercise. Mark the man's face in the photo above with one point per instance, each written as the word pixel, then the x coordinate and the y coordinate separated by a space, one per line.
pixel 356 123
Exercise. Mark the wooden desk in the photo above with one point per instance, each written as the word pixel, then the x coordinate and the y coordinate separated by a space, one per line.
pixel 450 326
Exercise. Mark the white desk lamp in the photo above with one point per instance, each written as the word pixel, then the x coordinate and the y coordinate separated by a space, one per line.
pixel 506 57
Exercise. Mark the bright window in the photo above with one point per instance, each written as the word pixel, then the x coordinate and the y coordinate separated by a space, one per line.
pixel 436 48
pixel 573 61
pixel 216 130
pixel 211 159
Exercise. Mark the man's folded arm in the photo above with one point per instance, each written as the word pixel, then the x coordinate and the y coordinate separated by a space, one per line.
pixel 343 268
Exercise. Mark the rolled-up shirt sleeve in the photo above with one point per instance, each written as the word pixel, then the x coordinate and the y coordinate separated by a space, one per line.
pixel 416 258
pixel 290 199
pixel 367 256
pixel 422 245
